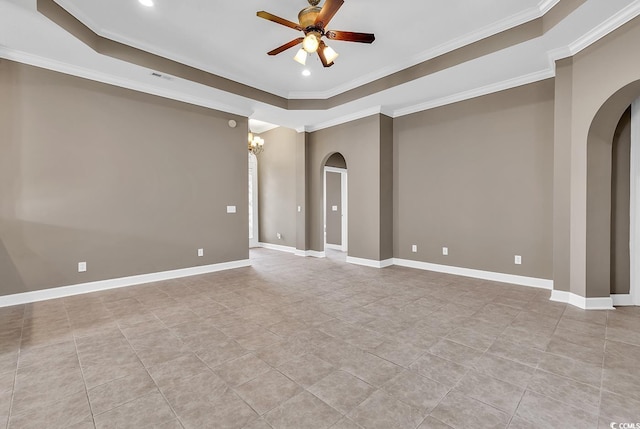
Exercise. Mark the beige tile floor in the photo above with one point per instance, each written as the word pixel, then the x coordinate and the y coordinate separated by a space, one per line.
pixel 306 343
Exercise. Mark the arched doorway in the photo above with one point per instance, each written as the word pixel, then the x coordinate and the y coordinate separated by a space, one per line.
pixel 335 206
pixel 600 174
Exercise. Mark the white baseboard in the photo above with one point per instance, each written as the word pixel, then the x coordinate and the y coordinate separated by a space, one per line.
pixel 333 246
pixel 78 289
pixel 622 300
pixel 370 262
pixel 310 253
pixel 478 274
pixel 278 247
pixel 581 301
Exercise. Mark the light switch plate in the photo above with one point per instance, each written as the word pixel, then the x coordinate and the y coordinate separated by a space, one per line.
pixel 82 267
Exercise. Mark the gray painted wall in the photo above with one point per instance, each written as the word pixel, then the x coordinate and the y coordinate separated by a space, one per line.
pixel 476 177
pixel 600 83
pixel 359 143
pixel 128 182
pixel 620 207
pixel 303 194
pixel 277 187
pixel 386 187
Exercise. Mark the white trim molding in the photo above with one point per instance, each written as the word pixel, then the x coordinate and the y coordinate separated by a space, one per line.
pixel 134 85
pixel 622 300
pixel 343 119
pixel 277 247
pixel 297 252
pixel 370 262
pixel 520 18
pixel 310 253
pixel 333 246
pixel 477 92
pixel 100 285
pixel 478 274
pixel 582 302
pixel 634 205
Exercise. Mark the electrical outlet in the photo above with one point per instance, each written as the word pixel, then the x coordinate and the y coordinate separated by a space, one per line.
pixel 279 236
pixel 82 267
pixel 414 248
pixel 299 209
pixel 445 251
pixel 518 260
pixel 231 209
pixel 200 252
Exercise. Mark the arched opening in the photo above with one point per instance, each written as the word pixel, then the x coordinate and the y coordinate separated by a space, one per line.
pixel 620 206
pixel 602 258
pixel 335 204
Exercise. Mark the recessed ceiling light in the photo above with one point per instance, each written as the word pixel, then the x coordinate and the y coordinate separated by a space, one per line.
pixel 147 3
pixel 306 72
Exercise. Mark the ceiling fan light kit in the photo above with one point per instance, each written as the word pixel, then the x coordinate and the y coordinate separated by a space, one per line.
pixel 301 56
pixel 312 22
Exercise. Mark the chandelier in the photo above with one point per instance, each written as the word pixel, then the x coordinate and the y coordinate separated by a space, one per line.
pixel 256 144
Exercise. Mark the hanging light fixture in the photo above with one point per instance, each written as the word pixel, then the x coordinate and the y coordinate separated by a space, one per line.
pixel 301 56
pixel 311 41
pixel 256 144
pixel 330 54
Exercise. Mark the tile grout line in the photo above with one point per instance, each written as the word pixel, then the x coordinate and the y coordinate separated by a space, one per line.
pixel 75 344
pixel 148 373
pixel 604 357
pixel 15 376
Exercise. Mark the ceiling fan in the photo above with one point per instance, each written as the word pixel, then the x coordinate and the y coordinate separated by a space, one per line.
pixel 312 22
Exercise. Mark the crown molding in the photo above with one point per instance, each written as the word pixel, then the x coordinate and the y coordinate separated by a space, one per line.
pixel 451 45
pixel 343 119
pixel 140 44
pixel 613 23
pixel 57 66
pixel 477 92
pixel 546 5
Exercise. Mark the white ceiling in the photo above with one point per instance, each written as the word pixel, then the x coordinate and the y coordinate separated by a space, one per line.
pixel 226 38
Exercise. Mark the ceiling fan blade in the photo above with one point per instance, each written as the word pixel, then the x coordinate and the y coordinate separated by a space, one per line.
pixel 277 19
pixel 323 58
pixel 349 36
pixel 329 9
pixel 286 46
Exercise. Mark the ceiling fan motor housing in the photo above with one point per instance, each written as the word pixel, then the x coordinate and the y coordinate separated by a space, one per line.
pixel 307 17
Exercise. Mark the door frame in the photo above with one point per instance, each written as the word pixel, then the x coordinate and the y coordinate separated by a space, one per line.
pixel 343 204
pixel 634 205
pixel 254 233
